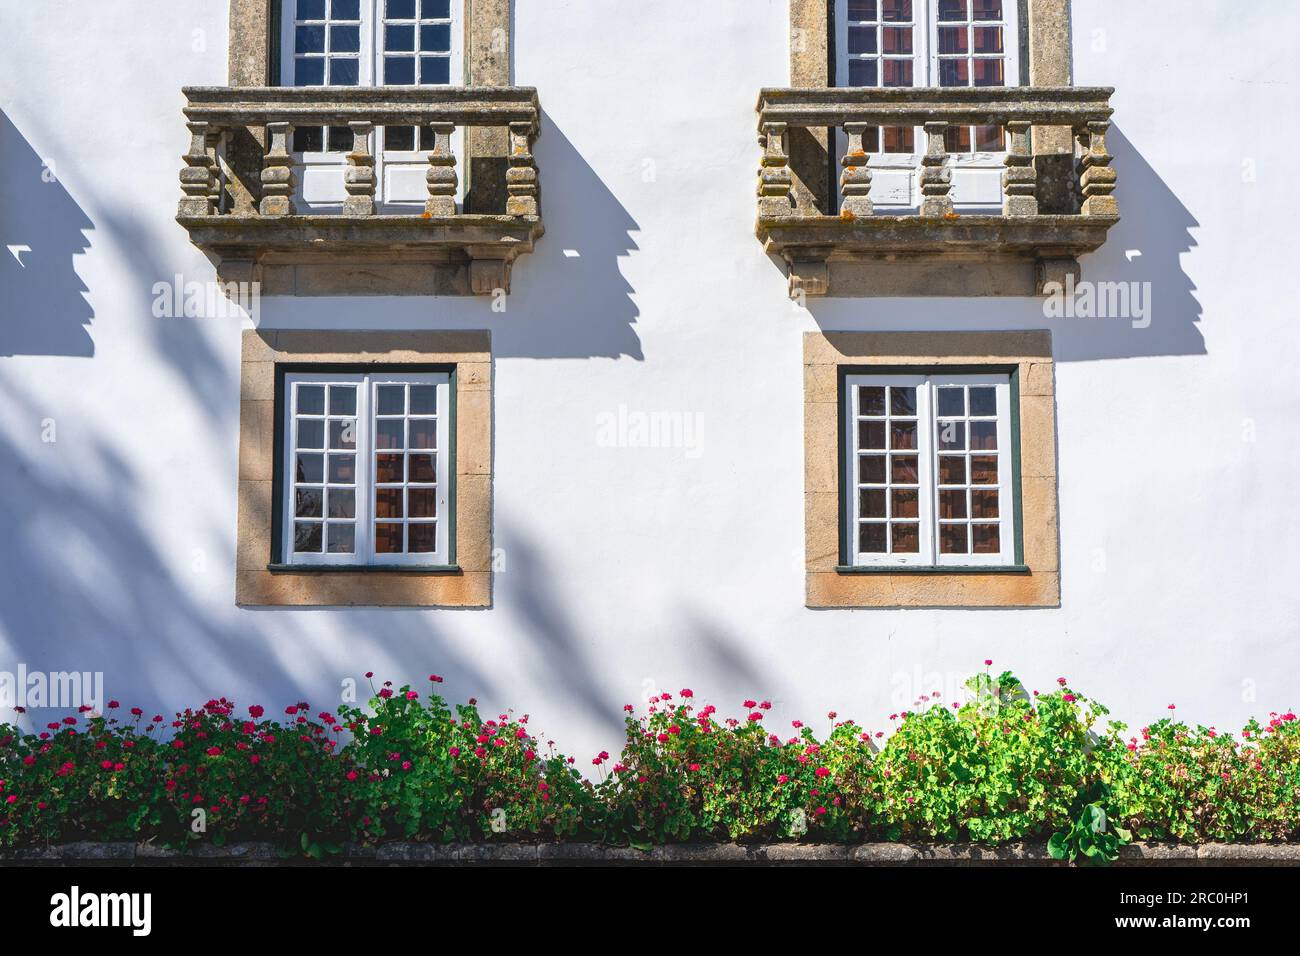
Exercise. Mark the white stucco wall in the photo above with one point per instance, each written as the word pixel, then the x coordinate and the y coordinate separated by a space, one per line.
pixel 628 570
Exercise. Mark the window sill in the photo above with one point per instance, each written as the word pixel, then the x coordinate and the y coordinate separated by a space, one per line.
pixel 946 569
pixel 366 568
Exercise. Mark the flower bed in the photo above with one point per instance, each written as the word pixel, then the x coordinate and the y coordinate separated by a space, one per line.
pixel 1003 766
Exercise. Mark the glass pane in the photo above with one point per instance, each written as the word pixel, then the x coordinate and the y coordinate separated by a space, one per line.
pixel 904 471
pixel 340 139
pixel 952 539
pixel 896 10
pixel 307 537
pixel 344 71
pixel 392 399
pixel 435 70
pixel 422 502
pixel 307 503
pixel 983 400
pixel 984 503
pixel 424 399
pixel 871 400
pixel 345 39
pixel 423 468
pixel 399 38
pixel 862 39
pixel 871 538
pixel 952 469
pixel 983 436
pixel 905 503
pixel 311 9
pixel 340 538
pixel 897 40
pixel 342 503
pixel 907 538
pixel 343 399
pixel 399 9
pixel 987 40
pixel 435 37
pixel 308 140
pixel 952 10
pixel 343 469
pixel 435 9
pixel 988 139
pixel 952 402
pixel 952 40
pixel 902 400
pixel 871 469
pixel 388 539
pixel 311 433
pixel 388 433
pixel 388 468
pixel 311 399
pixel 399 70
pixel 953 73
pixel 988 72
pixel 343 9
pixel 423 538
pixel 343 434
pixel 871 435
pixel 984 469
pixel 423 433
pixel 988 540
pixel 902 434
pixel 899 139
pixel 898 73
pixel 956 139
pixel 987 9
pixel 871 503
pixel 862 73
pixel 308 71
pixel 311 469
pixel 309 39
pixel 952 504
pixel 952 436
pixel 399 138
pixel 862 9
pixel 388 503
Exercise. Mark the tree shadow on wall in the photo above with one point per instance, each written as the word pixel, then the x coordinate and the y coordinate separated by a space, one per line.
pixel 1143 252
pixel 43 307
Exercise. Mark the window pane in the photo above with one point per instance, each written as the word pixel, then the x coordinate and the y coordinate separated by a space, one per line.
pixel 952 40
pixel 983 436
pixel 987 40
pixel 899 139
pixel 344 9
pixel 952 436
pixel 311 433
pixel 340 139
pixel 871 503
pixel 343 434
pixel 902 435
pixel 343 469
pixel 345 39
pixel 953 73
pixel 388 503
pixel 983 400
pixel 435 37
pixel 388 539
pixel 984 469
pixel 988 73
pixel 898 72
pixel 952 469
pixel 342 503
pixel 871 400
pixel 896 10
pixel 906 538
pixel 311 469
pixel 309 39
pixel 988 540
pixel 905 503
pixel 389 433
pixel 311 9
pixel 871 538
pixel 862 39
pixel 344 71
pixel 862 73
pixel 902 400
pixel 435 70
pixel 952 402
pixel 871 469
pixel 435 9
pixel 904 470
pixel 340 538
pixel 952 10
pixel 388 468
pixel 423 468
pixel 424 399
pixel 422 433
pixel 399 38
pixel 984 503
pixel 956 139
pixel 343 399
pixel 423 502
pixel 988 139
pixel 862 9
pixel 871 435
pixel 952 539
pixel 399 70
pixel 307 537
pixel 392 399
pixel 952 504
pixel 399 137
pixel 307 503
pixel 987 9
pixel 311 399
pixel 399 9
pixel 308 71
pixel 423 538
pixel 897 40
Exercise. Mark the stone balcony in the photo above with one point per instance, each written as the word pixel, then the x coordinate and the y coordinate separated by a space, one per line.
pixel 240 176
pixel 861 251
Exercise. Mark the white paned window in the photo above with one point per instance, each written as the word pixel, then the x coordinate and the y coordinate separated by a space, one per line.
pixel 940 43
pixel 929 470
pixel 366 468
pixel 368 43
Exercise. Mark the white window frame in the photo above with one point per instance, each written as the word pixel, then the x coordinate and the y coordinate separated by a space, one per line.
pixel 370 73
pixel 927 385
pixel 925 73
pixel 367 384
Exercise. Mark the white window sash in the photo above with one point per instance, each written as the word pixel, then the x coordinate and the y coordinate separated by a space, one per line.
pixel 364 542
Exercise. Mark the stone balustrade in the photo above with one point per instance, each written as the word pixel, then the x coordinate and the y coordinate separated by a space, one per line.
pixel 255 223
pixel 809 239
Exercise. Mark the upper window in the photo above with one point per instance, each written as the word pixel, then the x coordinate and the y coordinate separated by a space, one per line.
pixel 929 470
pixel 366 476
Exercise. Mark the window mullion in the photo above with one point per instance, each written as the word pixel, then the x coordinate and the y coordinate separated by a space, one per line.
pixel 929 476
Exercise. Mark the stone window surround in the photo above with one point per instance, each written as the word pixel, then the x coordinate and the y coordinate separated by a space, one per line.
pixel 1045 61
pixel 1029 354
pixel 469 583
